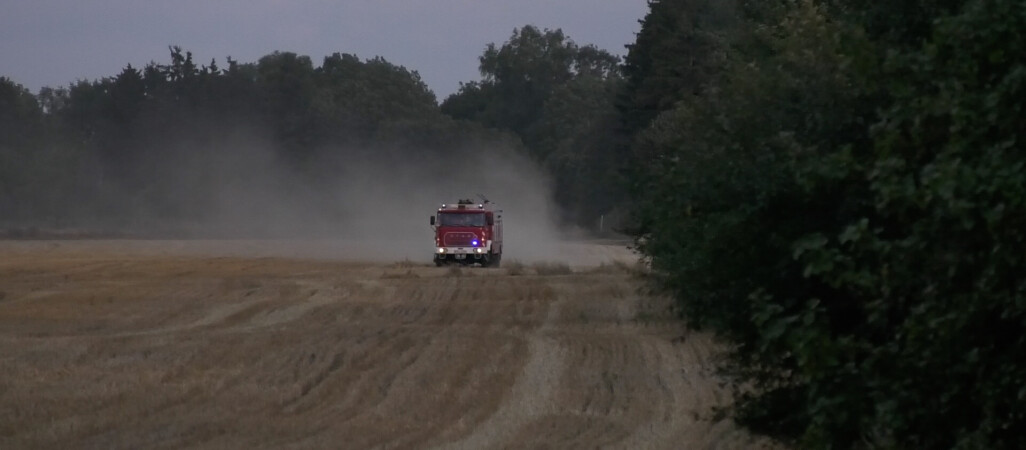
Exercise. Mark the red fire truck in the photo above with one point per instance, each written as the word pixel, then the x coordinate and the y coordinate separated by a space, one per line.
pixel 468 232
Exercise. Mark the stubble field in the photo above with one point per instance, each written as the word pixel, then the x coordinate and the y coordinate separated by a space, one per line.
pixel 168 344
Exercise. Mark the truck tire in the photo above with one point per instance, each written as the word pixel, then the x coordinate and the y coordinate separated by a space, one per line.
pixel 494 261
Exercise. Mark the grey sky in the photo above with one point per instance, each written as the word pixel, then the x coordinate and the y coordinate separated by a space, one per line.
pixel 55 42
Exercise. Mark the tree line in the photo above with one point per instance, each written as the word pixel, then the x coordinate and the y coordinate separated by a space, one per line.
pixel 128 148
pixel 143 145
pixel 835 188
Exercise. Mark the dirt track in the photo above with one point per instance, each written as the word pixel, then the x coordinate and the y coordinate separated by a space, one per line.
pixel 160 345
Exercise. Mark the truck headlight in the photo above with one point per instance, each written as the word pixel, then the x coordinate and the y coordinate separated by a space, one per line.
pixel 477 250
pixel 441 249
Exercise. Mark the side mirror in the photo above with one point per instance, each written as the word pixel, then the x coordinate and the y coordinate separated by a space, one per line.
pixel 490 220
pixel 432 220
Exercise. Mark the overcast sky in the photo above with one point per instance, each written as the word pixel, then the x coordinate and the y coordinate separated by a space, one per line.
pixel 56 42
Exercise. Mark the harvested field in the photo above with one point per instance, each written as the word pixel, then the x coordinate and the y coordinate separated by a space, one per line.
pixel 129 344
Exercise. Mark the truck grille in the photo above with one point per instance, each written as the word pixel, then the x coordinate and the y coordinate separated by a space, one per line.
pixel 458 239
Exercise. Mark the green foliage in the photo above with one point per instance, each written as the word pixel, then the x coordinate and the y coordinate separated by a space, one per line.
pixel 145 146
pixel 936 262
pixel 20 120
pixel 33 164
pixel 577 142
pixel 845 206
pixel 522 74
pixel 679 50
pixel 559 98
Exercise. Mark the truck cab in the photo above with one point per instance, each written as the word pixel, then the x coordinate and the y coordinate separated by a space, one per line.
pixel 468 232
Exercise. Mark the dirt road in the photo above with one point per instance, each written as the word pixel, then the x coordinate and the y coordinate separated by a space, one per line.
pixel 126 344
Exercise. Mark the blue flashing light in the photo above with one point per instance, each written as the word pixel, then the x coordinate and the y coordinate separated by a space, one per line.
pixel 474 242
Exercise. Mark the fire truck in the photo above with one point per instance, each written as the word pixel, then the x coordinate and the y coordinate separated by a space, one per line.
pixel 468 232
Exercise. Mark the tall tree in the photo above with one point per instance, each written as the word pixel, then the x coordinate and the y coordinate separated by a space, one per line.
pixel 680 49
pixel 20 135
pixel 557 97
pixel 842 204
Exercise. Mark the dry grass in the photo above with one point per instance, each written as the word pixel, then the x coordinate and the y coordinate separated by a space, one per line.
pixel 552 268
pixel 100 350
pixel 615 267
pixel 637 268
pixel 514 267
pixel 396 275
pixel 408 264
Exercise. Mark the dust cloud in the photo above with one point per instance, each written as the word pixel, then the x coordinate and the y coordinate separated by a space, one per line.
pixel 391 204
pixel 347 203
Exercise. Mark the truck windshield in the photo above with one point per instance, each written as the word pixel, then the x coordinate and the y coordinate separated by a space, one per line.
pixel 461 219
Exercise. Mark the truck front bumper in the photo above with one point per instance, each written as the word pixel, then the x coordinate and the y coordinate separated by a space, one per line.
pixel 461 254
pixel 440 251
